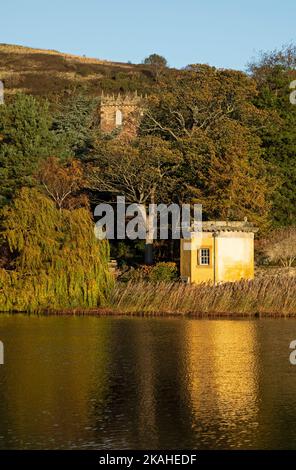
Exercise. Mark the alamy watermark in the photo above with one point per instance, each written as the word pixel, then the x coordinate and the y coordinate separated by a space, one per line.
pixel 1 353
pixel 292 86
pixel 1 92
pixel 292 357
pixel 156 221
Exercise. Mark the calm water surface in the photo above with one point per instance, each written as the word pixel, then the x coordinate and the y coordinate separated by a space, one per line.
pixel 111 383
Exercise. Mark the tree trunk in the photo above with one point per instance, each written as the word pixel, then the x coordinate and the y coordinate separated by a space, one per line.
pixel 148 252
pixel 149 234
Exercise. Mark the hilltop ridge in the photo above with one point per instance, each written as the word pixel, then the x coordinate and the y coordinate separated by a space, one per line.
pixel 42 72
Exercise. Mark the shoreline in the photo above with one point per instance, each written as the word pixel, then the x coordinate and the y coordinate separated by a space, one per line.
pixel 109 312
pixel 270 297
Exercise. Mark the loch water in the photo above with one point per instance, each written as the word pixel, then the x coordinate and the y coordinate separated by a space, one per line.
pixel 146 383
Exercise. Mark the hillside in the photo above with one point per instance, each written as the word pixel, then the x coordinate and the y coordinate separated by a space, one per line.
pixel 45 72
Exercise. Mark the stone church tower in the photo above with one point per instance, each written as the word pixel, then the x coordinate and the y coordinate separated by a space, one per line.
pixel 122 113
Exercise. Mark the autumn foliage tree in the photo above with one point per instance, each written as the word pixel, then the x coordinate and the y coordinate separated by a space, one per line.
pixel 231 180
pixel 62 182
pixel 201 97
pixel 208 115
pixel 143 171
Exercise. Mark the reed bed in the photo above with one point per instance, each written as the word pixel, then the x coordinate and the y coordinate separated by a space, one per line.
pixel 271 296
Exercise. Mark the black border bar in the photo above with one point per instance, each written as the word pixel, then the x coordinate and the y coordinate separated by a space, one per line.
pixel 145 459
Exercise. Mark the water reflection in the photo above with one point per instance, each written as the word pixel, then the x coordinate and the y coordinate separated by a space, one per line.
pixel 223 381
pixel 146 383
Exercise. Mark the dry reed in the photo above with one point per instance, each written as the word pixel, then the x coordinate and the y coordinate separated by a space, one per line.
pixel 271 296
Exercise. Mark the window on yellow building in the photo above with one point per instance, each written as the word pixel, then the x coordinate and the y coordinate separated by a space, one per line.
pixel 204 256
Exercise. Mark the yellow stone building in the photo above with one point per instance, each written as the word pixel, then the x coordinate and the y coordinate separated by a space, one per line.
pixel 222 252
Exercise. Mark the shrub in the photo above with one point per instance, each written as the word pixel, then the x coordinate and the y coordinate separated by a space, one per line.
pixel 139 274
pixel 166 272
pixel 280 246
pixel 163 272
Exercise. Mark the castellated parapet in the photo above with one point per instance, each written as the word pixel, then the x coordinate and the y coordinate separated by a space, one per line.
pixel 122 112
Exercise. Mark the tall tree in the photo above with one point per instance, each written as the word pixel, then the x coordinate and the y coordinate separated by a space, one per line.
pixel 208 115
pixel 143 172
pixel 25 139
pixel 62 182
pixel 76 122
pixel 273 72
pixel 201 97
pixel 232 180
pixel 157 63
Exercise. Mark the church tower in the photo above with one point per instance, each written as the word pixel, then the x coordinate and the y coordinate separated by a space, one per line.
pixel 122 113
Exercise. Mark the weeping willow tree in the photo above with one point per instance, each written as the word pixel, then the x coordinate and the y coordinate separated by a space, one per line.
pixel 56 261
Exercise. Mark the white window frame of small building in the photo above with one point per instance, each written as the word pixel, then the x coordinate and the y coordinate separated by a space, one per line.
pixel 204 256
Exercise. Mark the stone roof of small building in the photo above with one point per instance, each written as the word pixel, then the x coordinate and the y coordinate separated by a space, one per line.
pixel 228 226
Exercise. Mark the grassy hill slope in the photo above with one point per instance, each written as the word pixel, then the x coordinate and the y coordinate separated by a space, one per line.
pixel 45 72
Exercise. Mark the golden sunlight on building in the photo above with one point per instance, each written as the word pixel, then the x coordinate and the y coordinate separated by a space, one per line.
pixel 222 252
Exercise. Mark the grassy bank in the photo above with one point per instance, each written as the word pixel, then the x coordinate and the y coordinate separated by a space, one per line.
pixel 272 296
pixel 269 296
